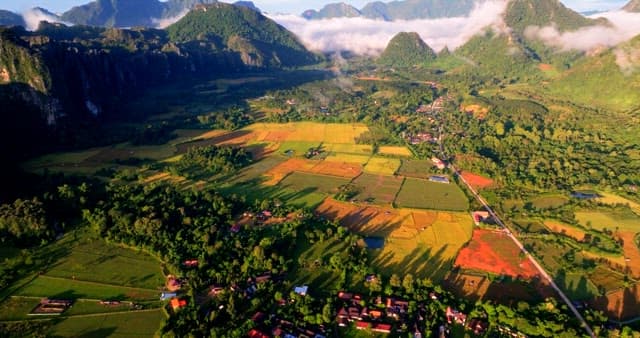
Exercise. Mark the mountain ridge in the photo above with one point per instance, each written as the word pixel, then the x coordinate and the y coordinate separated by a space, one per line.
pixel 406 49
pixel 396 10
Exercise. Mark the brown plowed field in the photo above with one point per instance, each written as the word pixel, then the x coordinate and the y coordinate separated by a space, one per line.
pixel 477 181
pixel 621 305
pixel 494 252
pixel 340 169
pixel 283 169
pixel 477 287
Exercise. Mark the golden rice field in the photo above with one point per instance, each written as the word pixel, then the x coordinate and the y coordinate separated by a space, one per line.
pixel 382 166
pixel 395 151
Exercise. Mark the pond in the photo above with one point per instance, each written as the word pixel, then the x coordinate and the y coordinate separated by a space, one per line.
pixel 374 242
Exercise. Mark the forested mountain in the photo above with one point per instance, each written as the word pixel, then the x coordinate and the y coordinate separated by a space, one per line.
pixel 8 18
pixel 397 10
pixel 126 13
pixel 521 14
pixel 405 50
pixel 632 6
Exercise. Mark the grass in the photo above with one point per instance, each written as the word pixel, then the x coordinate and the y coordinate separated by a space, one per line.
pixel 624 220
pixel 565 229
pixel 17 308
pixel 577 286
pixel 382 166
pixel 530 226
pixel 313 273
pixel 134 324
pixel 417 168
pixel 53 287
pixel 608 198
pixel 299 148
pixel 257 169
pixel 422 194
pixel 253 191
pixel 377 189
pixel 395 151
pixel 97 261
pixel 608 279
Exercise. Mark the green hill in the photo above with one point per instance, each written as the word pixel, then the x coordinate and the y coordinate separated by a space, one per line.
pixel 245 31
pixel 405 50
pixel 396 10
pixel 521 14
pixel 632 6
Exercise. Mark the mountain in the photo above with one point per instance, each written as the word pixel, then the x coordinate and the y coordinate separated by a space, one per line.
pixel 397 10
pixel 127 13
pixel 258 40
pixel 632 6
pixel 8 18
pixel 336 10
pixel 521 14
pixel 247 4
pixel 406 50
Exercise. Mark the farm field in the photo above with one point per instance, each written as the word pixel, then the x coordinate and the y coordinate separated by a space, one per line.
pixel 133 324
pixel 348 148
pixel 631 252
pixel 377 189
pixel 621 304
pixel 424 243
pixel 382 166
pixel 348 158
pixel 477 181
pixel 478 286
pixel 423 194
pixel 565 229
pixel 395 151
pixel 281 170
pixel 417 168
pixel 308 132
pixel 323 184
pixel 495 252
pixel 607 279
pixel 612 220
pixel 63 288
pixel 608 198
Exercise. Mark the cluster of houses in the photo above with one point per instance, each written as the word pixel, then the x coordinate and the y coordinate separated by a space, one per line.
pixel 421 137
pixel 281 328
pixel 440 164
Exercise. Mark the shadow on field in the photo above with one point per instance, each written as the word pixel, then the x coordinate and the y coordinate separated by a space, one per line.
pixel 99 333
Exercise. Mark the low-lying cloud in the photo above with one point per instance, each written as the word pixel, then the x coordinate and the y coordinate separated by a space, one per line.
pixel 166 22
pixel 623 26
pixel 369 37
pixel 32 18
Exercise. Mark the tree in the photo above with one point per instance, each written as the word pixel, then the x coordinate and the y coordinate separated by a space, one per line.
pixel 395 281
pixel 407 283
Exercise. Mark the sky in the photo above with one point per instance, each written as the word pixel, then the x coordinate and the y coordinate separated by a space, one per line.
pixel 282 6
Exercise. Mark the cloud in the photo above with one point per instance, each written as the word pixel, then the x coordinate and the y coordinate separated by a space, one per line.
pixel 369 37
pixel 166 22
pixel 623 27
pixel 33 16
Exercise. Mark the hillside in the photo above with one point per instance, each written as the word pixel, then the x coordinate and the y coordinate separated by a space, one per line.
pixel 405 50
pixel 258 40
pixel 609 80
pixel 396 10
pixel 632 6
pixel 125 13
pixel 8 18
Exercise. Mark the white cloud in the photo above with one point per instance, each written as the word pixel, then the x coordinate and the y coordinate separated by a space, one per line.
pixel 33 16
pixel 166 22
pixel 369 37
pixel 623 26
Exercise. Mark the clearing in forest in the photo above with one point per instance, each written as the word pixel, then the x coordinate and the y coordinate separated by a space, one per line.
pixel 477 181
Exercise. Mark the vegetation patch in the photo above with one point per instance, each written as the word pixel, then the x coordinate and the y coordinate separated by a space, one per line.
pixel 348 148
pixel 310 132
pixel 565 229
pixel 382 166
pixel 348 158
pixel 549 202
pixel 623 220
pixel 63 288
pixel 477 181
pixel 417 168
pixel 303 182
pixel 423 194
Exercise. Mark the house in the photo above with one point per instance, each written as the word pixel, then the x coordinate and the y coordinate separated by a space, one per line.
pixel 382 328
pixel 439 179
pixel 263 278
pixel 345 295
pixel 438 163
pixel 455 316
pixel 480 216
pixel 343 322
pixel 258 317
pixel 362 325
pixel 215 290
pixel 370 278
pixel 257 334
pixel 342 313
pixel 177 304
pixel 51 307
pixel 235 228
pixel 168 295
pixel 478 326
pixel 190 263
pixel 375 314
pixel 301 290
